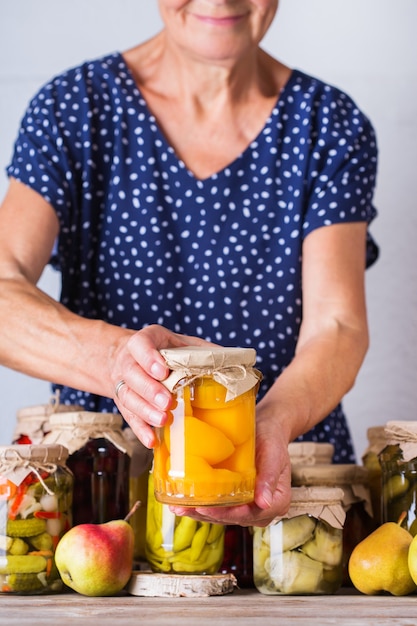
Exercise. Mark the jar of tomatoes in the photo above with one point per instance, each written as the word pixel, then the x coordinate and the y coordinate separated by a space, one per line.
pixel 36 490
pixel 32 422
pixel 205 454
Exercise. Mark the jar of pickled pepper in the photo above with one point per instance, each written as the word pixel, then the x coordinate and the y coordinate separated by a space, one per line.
pixel 99 457
pixel 140 465
pixel 180 544
pixel 302 552
pixel 36 491
pixel 32 422
pixel 399 474
pixel 205 454
pixel 356 501
pixel 370 459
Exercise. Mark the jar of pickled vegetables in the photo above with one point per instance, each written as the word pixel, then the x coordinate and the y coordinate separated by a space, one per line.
pixel 140 465
pixel 302 552
pixel 32 422
pixel 310 453
pixel 370 459
pixel 180 544
pixel 399 474
pixel 99 457
pixel 36 491
pixel 356 501
pixel 205 454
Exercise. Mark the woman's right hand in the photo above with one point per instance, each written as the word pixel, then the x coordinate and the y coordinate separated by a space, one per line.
pixel 137 369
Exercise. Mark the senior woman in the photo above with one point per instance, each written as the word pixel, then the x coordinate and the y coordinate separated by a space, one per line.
pixel 194 189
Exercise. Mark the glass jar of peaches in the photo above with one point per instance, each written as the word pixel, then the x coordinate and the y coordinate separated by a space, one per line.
pixel 205 454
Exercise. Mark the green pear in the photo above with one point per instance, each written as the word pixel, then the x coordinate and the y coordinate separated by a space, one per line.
pixel 379 563
pixel 97 559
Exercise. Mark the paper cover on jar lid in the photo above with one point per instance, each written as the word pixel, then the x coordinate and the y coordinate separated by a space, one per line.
pixel 231 367
pixel 175 586
pixel 404 434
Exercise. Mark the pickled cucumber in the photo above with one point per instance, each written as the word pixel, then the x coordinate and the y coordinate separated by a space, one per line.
pixel 25 527
pixel 27 564
pixel 13 545
pixel 25 582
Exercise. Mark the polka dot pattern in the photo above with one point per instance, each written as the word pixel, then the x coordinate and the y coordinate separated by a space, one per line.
pixel 142 240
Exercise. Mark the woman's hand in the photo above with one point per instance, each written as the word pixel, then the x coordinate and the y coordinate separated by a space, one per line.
pixel 137 369
pixel 273 481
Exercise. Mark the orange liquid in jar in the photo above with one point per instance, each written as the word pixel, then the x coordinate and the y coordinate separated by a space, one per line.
pixel 206 452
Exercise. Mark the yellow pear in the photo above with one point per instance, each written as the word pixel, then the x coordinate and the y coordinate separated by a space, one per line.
pixel 412 559
pixel 379 563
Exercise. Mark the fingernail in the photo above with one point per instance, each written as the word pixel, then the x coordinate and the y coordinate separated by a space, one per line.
pixel 158 370
pixel 156 418
pixel 161 400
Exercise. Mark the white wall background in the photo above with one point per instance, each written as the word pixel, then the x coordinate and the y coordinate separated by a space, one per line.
pixel 366 47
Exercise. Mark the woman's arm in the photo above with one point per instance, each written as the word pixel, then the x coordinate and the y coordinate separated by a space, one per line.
pixel 332 344
pixel 47 341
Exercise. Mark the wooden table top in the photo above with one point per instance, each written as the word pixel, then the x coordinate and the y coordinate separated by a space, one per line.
pixel 241 608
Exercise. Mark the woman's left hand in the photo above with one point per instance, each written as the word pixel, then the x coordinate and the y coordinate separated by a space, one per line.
pixel 272 488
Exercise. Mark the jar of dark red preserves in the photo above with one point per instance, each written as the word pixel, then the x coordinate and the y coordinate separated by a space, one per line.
pixel 99 457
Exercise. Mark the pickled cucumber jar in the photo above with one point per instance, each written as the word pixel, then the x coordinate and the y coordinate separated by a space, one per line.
pixel 353 480
pixel 99 457
pixel 36 491
pixel 399 474
pixel 310 453
pixel 302 552
pixel 205 454
pixel 32 422
pixel 370 459
pixel 179 544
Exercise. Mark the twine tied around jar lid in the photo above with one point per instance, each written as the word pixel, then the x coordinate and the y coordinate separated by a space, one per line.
pixel 230 367
pixel 18 461
pixel 73 430
pixel 403 433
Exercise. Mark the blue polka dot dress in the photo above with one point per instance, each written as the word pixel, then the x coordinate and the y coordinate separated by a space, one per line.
pixel 143 241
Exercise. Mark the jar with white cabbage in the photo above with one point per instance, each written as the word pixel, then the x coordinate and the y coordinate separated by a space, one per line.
pixel 302 553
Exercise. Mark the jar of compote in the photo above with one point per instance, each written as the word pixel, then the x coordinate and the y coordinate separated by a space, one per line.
pixel 205 454
pixel 36 490
pixel 99 457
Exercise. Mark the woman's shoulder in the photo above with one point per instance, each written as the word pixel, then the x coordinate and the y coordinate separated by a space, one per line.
pixel 318 91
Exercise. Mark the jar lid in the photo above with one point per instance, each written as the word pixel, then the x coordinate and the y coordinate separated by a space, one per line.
pixel 231 367
pixel 331 474
pixel 353 479
pixel 18 461
pixel 43 453
pixel 73 430
pixel 323 503
pixel 403 433
pixel 310 453
pixel 377 440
